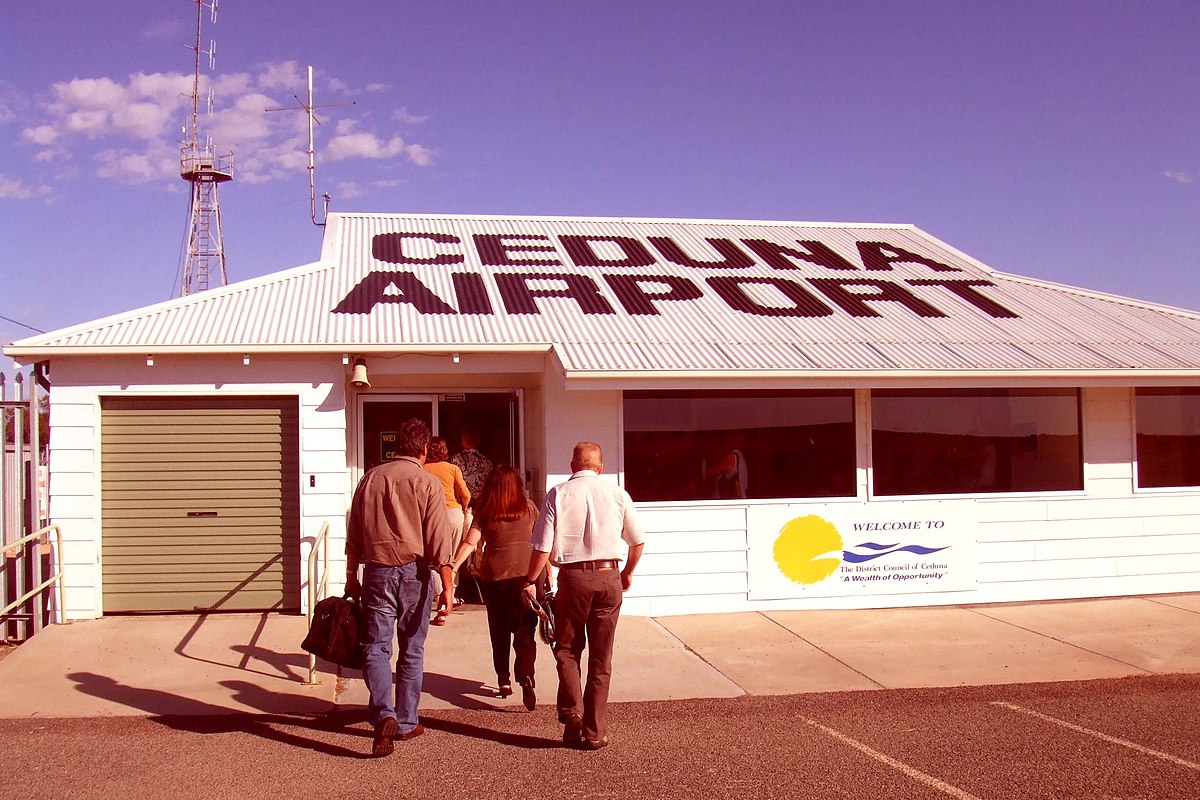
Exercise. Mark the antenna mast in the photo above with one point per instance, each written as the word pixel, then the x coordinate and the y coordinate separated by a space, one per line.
pixel 310 109
pixel 205 169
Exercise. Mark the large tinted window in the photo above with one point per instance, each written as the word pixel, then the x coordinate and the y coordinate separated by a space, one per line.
pixel 701 445
pixel 945 441
pixel 1168 437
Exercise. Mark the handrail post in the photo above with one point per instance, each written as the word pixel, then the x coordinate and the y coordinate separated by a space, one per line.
pixel 29 546
pixel 60 609
pixel 316 589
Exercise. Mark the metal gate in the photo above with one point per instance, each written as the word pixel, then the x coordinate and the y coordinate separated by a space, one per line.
pixel 23 507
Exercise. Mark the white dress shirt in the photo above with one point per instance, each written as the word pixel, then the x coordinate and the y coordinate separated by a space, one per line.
pixel 585 519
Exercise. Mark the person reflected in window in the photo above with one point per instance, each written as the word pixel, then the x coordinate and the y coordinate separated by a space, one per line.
pixel 729 475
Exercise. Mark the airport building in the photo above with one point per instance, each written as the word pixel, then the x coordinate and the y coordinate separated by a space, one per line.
pixel 808 415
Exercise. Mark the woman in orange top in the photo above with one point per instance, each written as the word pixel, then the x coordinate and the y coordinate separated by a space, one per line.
pixel 458 497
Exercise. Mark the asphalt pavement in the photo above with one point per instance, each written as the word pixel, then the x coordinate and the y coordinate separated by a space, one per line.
pixel 1068 699
pixel 1111 738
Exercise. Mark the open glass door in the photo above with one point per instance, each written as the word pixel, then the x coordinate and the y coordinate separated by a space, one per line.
pixel 494 415
pixel 380 418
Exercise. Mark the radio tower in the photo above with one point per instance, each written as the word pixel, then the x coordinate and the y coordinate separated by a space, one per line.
pixel 205 169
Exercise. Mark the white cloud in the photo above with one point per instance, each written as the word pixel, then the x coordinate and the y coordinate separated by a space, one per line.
pixel 245 123
pixel 377 87
pixel 231 85
pixel 89 93
pixel 139 167
pixel 348 189
pixel 1179 177
pixel 420 155
pixel 364 145
pixel 338 86
pixel 15 189
pixel 170 89
pixel 142 120
pixel 349 142
pixel 132 129
pixel 43 135
pixel 91 122
pixel 282 75
pixel 403 115
pixel 10 102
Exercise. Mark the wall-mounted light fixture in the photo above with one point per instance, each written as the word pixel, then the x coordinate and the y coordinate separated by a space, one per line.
pixel 358 378
pixel 454 357
pixel 246 360
pixel 150 361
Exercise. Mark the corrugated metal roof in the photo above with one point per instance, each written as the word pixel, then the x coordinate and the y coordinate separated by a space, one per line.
pixel 656 297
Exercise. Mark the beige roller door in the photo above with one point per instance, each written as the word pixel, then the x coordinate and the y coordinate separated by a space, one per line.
pixel 200 504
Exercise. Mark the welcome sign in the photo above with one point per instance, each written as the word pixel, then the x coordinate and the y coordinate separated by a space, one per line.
pixel 828 551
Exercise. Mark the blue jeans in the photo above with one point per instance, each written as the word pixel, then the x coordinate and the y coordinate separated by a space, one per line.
pixel 395 598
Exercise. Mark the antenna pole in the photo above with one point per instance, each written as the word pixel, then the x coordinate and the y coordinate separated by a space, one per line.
pixel 192 133
pixel 312 165
pixel 310 108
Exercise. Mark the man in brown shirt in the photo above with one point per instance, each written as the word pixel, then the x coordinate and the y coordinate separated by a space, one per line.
pixel 398 531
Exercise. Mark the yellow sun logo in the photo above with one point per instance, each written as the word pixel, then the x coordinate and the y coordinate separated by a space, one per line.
pixel 808 549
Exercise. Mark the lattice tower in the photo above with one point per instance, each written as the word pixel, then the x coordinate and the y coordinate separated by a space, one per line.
pixel 205 169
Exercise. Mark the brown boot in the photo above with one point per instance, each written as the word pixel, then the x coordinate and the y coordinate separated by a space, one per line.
pixel 573 731
pixel 386 731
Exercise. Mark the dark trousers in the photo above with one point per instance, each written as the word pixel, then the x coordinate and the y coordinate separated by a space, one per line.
pixel 588 605
pixel 511 627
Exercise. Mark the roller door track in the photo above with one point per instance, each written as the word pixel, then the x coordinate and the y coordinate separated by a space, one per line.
pixel 200 504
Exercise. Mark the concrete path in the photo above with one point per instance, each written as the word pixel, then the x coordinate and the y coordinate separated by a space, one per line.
pixel 228 663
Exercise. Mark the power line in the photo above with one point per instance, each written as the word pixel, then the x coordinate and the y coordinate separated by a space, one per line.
pixel 22 324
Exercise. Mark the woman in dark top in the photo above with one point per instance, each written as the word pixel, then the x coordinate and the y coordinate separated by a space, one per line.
pixel 503 522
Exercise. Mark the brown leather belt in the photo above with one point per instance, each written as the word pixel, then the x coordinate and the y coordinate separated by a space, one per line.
pixel 593 566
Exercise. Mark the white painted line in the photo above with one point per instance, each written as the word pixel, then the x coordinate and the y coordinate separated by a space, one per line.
pixel 1104 736
pixel 911 772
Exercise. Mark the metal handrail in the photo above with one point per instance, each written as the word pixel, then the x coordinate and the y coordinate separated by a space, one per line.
pixel 317 590
pixel 12 550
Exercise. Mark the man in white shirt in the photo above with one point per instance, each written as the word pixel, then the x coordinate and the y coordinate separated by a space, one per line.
pixel 580 530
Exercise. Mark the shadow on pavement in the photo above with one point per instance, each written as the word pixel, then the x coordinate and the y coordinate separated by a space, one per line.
pixel 488 735
pixel 185 714
pixel 458 692
pixel 195 716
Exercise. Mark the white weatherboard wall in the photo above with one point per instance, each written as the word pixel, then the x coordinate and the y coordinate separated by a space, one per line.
pixel 1108 539
pixel 1104 541
pixel 75 464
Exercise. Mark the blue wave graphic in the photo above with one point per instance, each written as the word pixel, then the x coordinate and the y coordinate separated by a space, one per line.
pixel 886 550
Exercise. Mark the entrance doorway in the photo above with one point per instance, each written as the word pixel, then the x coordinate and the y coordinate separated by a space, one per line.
pixel 496 415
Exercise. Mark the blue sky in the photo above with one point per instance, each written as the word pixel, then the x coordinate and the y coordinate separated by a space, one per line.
pixel 1051 139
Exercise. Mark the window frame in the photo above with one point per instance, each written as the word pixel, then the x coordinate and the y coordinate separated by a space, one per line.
pixel 853 457
pixel 1136 458
pixel 874 496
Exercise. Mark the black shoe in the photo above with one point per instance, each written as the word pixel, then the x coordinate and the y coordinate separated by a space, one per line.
pixel 504 689
pixel 386 731
pixel 573 731
pixel 528 695
pixel 593 744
